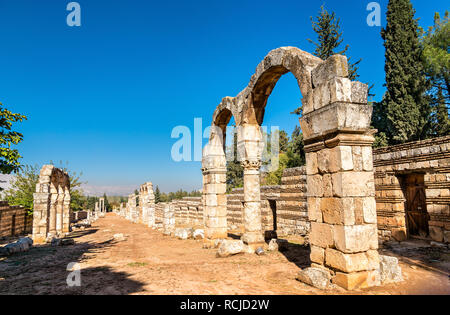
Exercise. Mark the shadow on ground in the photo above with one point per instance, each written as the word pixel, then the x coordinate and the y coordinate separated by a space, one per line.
pixel 43 270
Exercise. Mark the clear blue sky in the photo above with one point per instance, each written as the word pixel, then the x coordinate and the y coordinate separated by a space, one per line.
pixel 105 96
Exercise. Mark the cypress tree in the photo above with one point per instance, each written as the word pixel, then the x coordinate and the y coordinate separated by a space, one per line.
pixel 405 110
pixel 157 195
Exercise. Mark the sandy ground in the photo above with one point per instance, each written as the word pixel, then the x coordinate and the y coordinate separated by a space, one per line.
pixel 149 263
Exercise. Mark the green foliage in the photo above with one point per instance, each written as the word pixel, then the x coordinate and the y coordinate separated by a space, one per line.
pixel 107 205
pixel 180 194
pixel 274 178
pixel 436 58
pixel 9 158
pixel 157 195
pixel 235 171
pixel 330 38
pixel 404 113
pixel 23 185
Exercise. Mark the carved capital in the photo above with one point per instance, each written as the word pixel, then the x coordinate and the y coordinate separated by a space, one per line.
pixel 251 165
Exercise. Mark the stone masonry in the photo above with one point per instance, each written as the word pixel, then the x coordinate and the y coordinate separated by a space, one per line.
pixel 51 214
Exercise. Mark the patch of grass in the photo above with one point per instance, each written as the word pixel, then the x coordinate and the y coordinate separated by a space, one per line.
pixel 137 264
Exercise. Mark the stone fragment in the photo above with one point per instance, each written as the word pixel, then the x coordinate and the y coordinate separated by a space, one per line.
pixel 334 66
pixel 390 271
pixel 119 237
pixel 346 262
pixel 316 277
pixel 198 234
pixel 436 233
pixel 230 247
pixel 273 245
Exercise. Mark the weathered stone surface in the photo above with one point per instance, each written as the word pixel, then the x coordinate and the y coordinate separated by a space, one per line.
pixel 333 67
pixel 321 235
pixel 346 262
pixel 356 238
pixel 119 237
pixel 316 277
pixel 356 280
pixel 230 247
pixel 198 234
pixel 317 255
pixel 390 271
pixel 273 245
pixel 436 233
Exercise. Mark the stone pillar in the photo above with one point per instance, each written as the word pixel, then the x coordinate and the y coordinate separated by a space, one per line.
pixel 341 191
pixel 41 207
pixel 168 219
pixel 59 210
pixel 214 190
pixel 249 137
pixel 66 210
pixel 151 205
pixel 53 210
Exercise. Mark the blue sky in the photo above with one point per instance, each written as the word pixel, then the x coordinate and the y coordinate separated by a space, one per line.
pixel 105 96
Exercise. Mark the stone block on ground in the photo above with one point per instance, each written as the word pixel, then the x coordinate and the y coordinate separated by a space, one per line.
pixel 199 234
pixel 316 277
pixel 230 247
pixel 390 271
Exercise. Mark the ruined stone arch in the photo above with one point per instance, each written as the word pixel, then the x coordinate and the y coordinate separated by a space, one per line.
pixel 338 144
pixel 51 213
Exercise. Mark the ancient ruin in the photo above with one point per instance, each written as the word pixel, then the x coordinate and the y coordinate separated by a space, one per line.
pixel 51 216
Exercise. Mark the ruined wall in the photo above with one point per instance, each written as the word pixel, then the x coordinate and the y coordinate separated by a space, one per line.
pixel 14 220
pixel 392 164
pixel 287 201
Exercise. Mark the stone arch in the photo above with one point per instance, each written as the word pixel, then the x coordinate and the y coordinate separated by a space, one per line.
pixel 338 144
pixel 214 170
pixel 51 213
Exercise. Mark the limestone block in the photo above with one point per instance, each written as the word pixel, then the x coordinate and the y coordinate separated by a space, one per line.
pixel 337 211
pixel 317 255
pixel 369 210
pixel 353 184
pixel 373 259
pixel 230 247
pixel 321 235
pixel 367 158
pixel 311 163
pixel 334 66
pixel 346 262
pixel 390 271
pixel 327 185
pixel 340 90
pixel 356 238
pixel 359 93
pixel 316 277
pixel 315 185
pixel 314 211
pixel 447 236
pixel 436 233
pixel 337 116
pixel 356 280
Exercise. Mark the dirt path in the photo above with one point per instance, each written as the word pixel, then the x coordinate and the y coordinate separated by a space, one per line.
pixel 149 263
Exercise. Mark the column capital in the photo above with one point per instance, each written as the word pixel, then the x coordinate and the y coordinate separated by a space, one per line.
pixel 251 164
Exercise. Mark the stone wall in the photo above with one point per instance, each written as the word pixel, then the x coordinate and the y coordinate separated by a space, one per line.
pixel 14 220
pixel 392 165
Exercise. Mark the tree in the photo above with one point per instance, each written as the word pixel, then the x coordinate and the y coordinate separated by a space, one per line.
pixel 235 171
pixel 107 205
pixel 404 112
pixel 296 151
pixel 23 186
pixel 9 158
pixel 436 59
pixel 329 39
pixel 157 195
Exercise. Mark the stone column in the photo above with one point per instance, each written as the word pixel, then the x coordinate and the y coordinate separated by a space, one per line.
pixel 59 210
pixel 66 211
pixel 214 191
pixel 168 219
pixel 151 205
pixel 41 209
pixel 249 137
pixel 53 209
pixel 341 204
